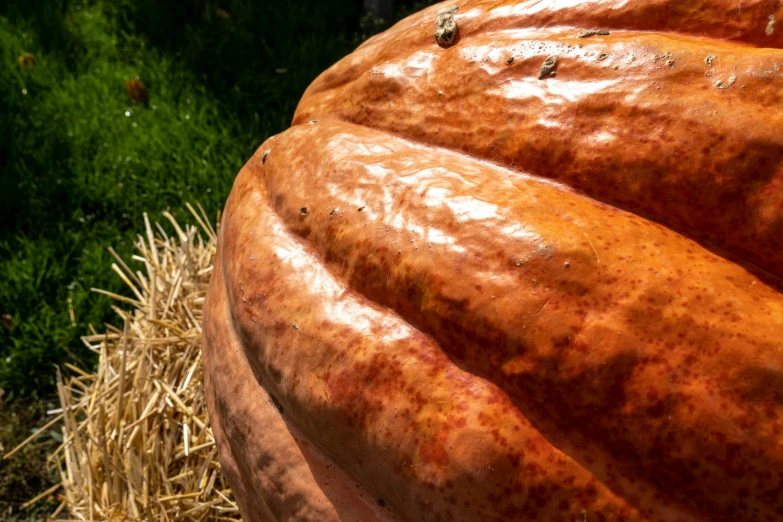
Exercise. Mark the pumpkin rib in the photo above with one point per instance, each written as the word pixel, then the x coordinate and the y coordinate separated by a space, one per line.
pixel 353 376
pixel 672 17
pixel 662 141
pixel 667 361
pixel 718 19
pixel 269 465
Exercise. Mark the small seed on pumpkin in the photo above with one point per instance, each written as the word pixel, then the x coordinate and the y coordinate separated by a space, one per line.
pixel 588 33
pixel 770 26
pixel 548 66
pixel 567 264
pixel 708 60
pixel 447 27
pixel 510 60
pixel 602 56
pixel 720 84
pixel 264 155
pixel 333 212
pixel 303 211
pixel 360 209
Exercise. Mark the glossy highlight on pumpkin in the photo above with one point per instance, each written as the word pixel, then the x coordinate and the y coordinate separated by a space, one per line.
pixel 513 296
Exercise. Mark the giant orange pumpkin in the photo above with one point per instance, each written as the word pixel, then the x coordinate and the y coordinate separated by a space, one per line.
pixel 529 271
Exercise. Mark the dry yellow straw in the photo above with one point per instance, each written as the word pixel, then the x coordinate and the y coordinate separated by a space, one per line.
pixel 137 444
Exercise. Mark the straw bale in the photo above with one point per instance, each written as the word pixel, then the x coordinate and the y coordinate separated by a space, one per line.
pixel 137 444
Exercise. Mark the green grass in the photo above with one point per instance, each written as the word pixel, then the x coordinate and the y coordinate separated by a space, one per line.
pixel 80 162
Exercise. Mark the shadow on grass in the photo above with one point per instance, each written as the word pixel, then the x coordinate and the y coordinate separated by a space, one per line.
pixel 256 57
pixel 26 474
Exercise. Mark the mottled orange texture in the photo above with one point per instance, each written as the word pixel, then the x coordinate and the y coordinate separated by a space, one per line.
pixel 454 291
pixel 635 119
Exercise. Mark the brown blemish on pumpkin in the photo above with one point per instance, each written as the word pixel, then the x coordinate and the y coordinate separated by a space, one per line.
pixel 433 453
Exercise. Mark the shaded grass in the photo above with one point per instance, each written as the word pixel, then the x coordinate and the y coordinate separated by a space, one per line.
pixel 81 161
pixel 26 474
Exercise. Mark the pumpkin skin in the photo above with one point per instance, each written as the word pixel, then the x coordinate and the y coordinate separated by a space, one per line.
pixel 412 316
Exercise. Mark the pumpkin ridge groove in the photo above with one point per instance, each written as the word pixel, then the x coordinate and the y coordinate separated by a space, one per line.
pixel 523 462
pixel 280 469
pixel 413 31
pixel 369 251
pixel 704 241
pixel 657 140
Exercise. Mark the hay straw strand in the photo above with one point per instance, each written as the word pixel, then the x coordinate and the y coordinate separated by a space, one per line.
pixel 33 436
pixel 41 496
pixel 136 438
